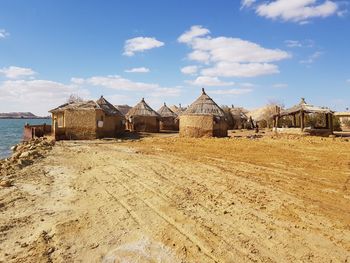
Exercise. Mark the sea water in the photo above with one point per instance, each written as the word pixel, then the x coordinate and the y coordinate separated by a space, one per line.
pixel 11 133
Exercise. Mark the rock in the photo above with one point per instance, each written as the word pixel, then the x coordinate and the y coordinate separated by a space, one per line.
pixel 14 148
pixel 6 183
pixel 24 155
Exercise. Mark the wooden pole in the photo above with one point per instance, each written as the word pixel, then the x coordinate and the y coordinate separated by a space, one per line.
pixel 302 121
pixel 331 122
pixel 294 121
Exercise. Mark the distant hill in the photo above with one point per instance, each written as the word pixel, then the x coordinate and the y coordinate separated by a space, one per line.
pixel 20 115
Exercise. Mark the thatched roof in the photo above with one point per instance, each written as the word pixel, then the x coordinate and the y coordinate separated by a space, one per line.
pixel 142 109
pixel 306 108
pixel 177 110
pixel 124 109
pixel 342 113
pixel 107 107
pixel 239 112
pixel 165 111
pixel 204 105
pixel 79 105
pixel 101 103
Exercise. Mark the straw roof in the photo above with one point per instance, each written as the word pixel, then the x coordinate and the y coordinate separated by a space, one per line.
pixel 107 107
pixel 342 113
pixel 79 105
pixel 142 109
pixel 101 103
pixel 204 105
pixel 165 111
pixel 305 107
pixel 177 110
pixel 123 108
pixel 239 112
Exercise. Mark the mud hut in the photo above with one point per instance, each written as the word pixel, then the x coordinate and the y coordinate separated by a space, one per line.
pixel 169 120
pixel 203 118
pixel 86 120
pixel 142 118
pixel 304 118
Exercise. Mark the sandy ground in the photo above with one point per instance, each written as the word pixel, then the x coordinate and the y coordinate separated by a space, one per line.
pixel 181 200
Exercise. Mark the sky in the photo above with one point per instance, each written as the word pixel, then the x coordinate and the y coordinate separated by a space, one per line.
pixel 244 53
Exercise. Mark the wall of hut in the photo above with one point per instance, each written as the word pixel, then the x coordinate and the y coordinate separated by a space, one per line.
pixel 80 124
pixel 169 124
pixel 143 124
pixel 202 126
pixel 109 126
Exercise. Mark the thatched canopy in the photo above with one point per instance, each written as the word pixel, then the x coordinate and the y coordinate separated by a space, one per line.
pixel 101 103
pixel 306 108
pixel 124 109
pixel 165 111
pixel 204 105
pixel 142 109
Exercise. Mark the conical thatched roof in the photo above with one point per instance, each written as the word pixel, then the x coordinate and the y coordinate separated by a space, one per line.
pixel 177 110
pixel 142 109
pixel 204 105
pixel 124 109
pixel 238 112
pixel 107 107
pixel 165 111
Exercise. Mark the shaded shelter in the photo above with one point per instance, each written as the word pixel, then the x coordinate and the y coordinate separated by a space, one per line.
pixel 304 118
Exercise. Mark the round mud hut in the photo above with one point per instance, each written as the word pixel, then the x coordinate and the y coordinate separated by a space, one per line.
pixel 142 118
pixel 203 118
pixel 168 119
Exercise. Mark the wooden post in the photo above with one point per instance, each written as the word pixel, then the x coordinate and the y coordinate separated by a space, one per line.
pixel 330 122
pixel 327 121
pixel 294 121
pixel 302 121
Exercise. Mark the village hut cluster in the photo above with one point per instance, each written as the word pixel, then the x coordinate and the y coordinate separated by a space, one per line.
pixel 203 118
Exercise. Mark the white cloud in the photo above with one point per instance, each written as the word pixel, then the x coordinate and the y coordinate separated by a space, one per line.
pixel 13 72
pixel 194 32
pixel 119 83
pixel 227 69
pixel 37 96
pixel 247 3
pixel 199 56
pixel 209 81
pixel 311 59
pixel 140 44
pixel 3 33
pixel 138 70
pixel 231 91
pixel 293 43
pixel 189 70
pixel 300 11
pixel 230 57
pixel 280 85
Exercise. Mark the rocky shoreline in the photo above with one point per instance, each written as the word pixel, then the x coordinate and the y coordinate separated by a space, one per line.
pixel 24 154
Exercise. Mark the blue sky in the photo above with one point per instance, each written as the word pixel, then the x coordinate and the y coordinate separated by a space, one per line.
pixel 245 53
